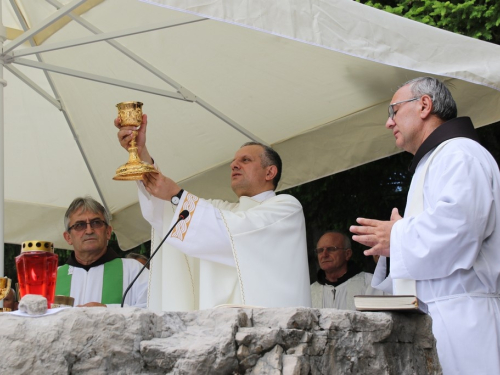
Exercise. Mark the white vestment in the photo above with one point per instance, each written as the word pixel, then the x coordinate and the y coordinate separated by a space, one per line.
pixel 252 252
pixel 342 296
pixel 86 286
pixel 452 250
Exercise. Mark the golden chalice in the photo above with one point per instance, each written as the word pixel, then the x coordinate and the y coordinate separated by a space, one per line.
pixel 5 283
pixel 130 114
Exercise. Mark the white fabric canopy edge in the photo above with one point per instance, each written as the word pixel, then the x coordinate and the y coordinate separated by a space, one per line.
pixel 368 36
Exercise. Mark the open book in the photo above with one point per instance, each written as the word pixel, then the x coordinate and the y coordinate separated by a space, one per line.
pixel 408 303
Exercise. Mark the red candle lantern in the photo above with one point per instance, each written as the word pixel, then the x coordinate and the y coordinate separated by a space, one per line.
pixel 37 269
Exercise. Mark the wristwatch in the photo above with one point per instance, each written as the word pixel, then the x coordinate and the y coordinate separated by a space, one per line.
pixel 177 198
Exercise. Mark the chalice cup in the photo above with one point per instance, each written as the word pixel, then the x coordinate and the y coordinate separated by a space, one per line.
pixel 130 114
pixel 5 284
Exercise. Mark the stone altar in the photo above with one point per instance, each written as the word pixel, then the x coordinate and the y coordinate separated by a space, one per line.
pixel 291 341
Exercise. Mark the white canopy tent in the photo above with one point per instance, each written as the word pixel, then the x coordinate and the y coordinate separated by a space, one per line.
pixel 312 78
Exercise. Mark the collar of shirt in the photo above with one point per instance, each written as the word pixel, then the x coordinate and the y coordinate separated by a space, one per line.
pixel 261 197
pixel 108 256
pixel 454 128
pixel 352 270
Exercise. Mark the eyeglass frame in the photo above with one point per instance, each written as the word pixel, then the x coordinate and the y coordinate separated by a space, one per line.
pixel 92 224
pixel 390 109
pixel 335 248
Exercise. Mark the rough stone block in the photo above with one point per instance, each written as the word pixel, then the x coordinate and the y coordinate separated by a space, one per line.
pixel 293 365
pixel 292 341
pixel 270 364
pixel 291 318
pixel 299 350
pixel 33 304
pixel 258 339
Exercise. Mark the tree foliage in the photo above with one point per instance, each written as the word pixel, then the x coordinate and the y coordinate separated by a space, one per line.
pixel 373 189
pixel 475 18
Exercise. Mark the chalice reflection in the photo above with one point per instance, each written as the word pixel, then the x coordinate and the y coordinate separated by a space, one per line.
pixel 130 114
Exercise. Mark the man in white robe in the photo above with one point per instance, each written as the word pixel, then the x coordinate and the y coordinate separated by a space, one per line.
pixel 94 275
pixel 451 244
pixel 252 252
pixel 338 279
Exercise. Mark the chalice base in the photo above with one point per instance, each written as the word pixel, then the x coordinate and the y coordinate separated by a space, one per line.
pixel 134 168
pixel 133 171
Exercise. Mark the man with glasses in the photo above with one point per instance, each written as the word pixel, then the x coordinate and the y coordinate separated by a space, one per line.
pixel 339 279
pixel 94 274
pixel 447 246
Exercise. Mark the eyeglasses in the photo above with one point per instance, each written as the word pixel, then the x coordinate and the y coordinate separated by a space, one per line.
pixel 82 225
pixel 391 106
pixel 330 249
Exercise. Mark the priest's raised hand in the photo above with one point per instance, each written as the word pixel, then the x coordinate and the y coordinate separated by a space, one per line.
pixel 375 234
pixel 160 186
pixel 125 137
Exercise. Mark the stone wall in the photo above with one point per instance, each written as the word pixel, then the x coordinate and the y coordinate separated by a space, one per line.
pixel 218 341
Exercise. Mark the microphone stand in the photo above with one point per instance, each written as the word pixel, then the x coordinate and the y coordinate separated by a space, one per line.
pixel 182 216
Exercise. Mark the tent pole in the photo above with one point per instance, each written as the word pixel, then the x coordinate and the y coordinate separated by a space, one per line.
pixel 188 95
pixel 99 38
pixel 23 77
pixel 101 79
pixel 47 22
pixel 3 38
pixel 60 105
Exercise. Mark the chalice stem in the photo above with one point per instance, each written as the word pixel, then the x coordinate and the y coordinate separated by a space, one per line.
pixel 132 150
pixel 133 143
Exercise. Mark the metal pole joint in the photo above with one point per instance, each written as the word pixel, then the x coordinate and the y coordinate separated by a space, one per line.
pixel 7 58
pixel 62 108
pixel 188 95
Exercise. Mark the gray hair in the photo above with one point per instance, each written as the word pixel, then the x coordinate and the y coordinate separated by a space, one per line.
pixel 85 204
pixel 347 240
pixel 269 157
pixel 443 104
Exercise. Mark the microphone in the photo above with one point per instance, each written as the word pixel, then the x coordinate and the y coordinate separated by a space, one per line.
pixel 182 216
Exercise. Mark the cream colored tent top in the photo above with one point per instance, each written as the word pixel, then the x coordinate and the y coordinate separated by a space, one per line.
pixel 311 78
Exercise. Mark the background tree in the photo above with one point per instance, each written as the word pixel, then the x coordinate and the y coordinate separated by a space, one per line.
pixel 475 18
pixel 372 190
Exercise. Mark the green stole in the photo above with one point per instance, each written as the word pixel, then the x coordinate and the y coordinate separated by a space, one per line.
pixel 112 282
